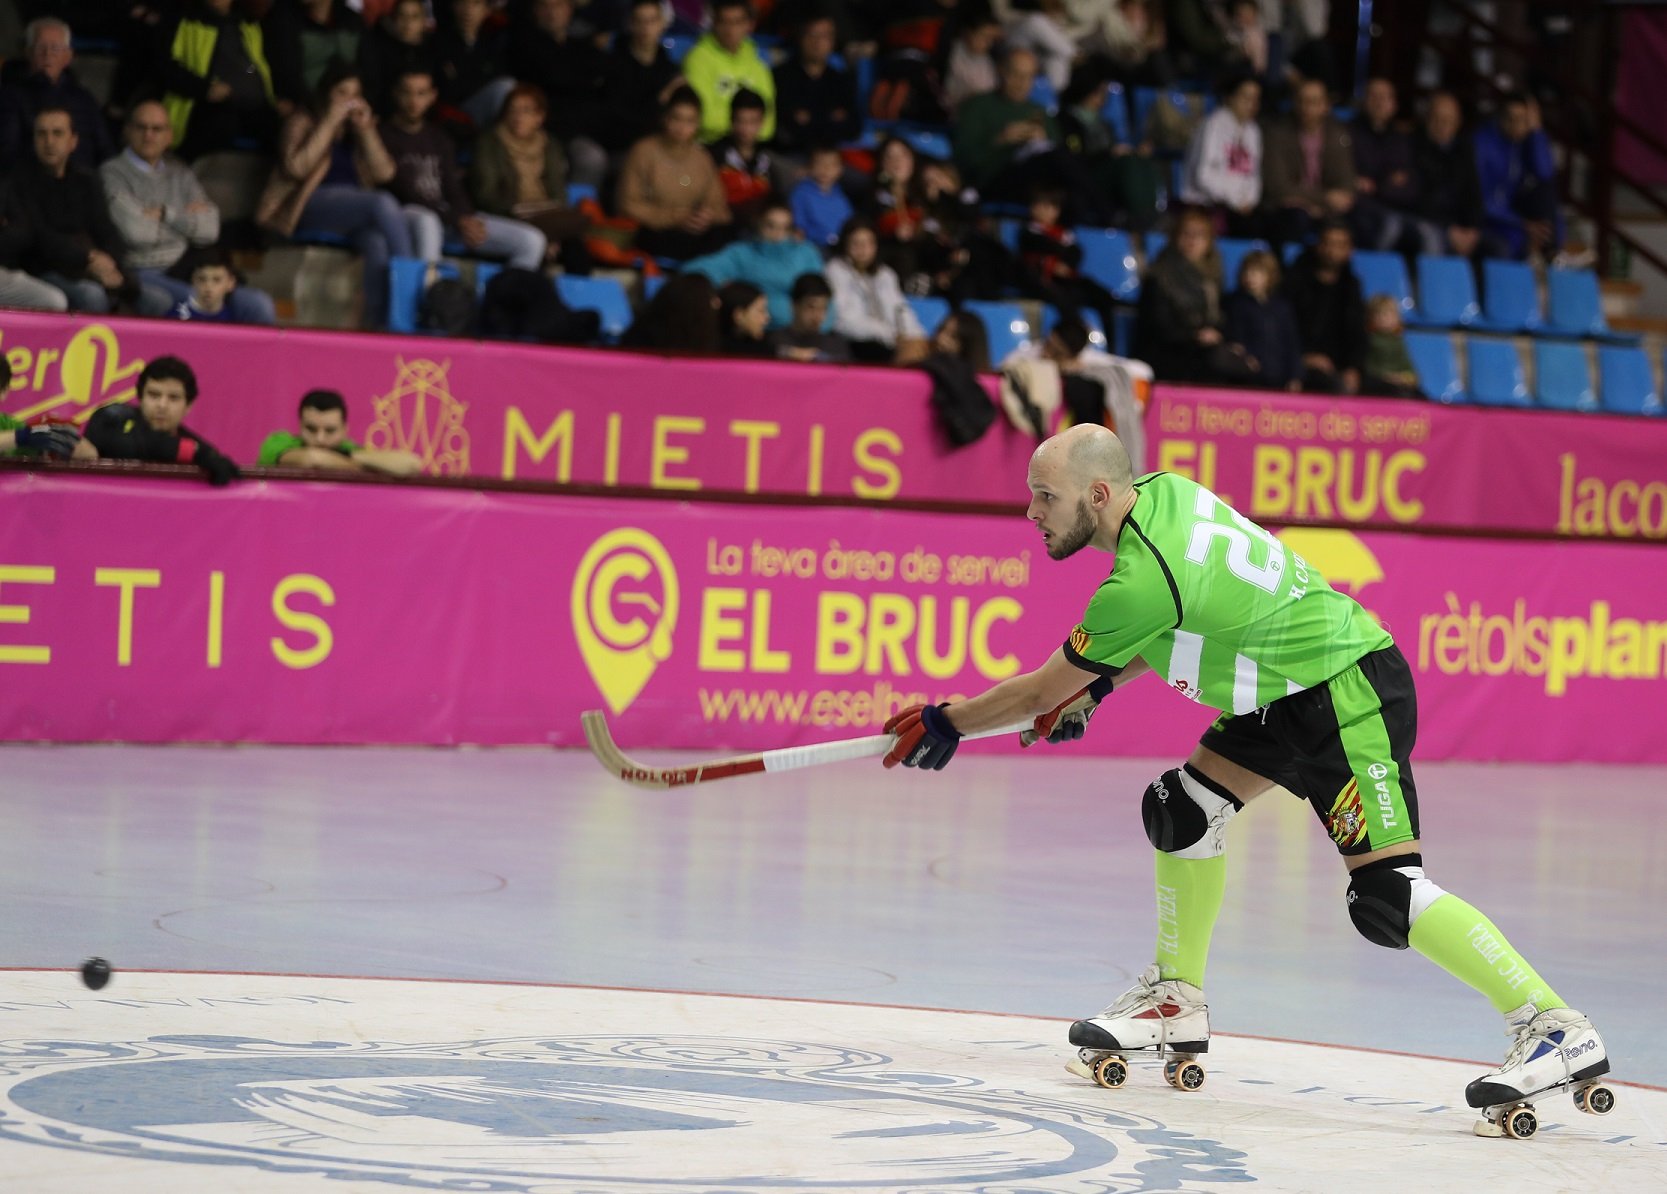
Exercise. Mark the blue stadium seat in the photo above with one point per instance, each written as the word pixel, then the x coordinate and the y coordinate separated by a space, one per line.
pixel 651 284
pixel 485 271
pixel 1437 366
pixel 601 294
pixel 1007 232
pixel 1292 250
pixel 1122 332
pixel 931 311
pixel 1573 307
pixel 678 45
pixel 1108 258
pixel 927 141
pixel 1233 253
pixel 1153 243
pixel 1626 383
pixel 1042 92
pixel 1141 100
pixel 1496 377
pixel 1510 297
pixel 1116 113
pixel 577 192
pixel 1383 273
pixel 1005 324
pixel 1562 377
pixel 1446 292
pixel 1090 318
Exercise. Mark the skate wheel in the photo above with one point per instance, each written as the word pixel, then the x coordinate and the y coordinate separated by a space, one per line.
pixel 1185 1075
pixel 1520 1122
pixel 1111 1072
pixel 1596 1099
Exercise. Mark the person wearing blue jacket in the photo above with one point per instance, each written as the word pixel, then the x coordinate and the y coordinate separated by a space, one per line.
pixel 1519 185
pixel 771 259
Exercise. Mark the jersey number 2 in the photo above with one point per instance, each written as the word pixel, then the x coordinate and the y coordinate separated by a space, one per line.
pixel 1238 536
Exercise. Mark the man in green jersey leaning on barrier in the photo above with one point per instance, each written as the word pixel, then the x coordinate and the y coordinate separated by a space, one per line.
pixel 1315 697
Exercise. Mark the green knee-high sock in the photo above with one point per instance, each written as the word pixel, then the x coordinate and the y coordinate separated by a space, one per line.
pixel 1466 945
pixel 1189 899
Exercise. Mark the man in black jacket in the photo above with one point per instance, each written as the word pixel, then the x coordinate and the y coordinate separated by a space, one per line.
pixel 48 82
pixel 816 103
pixel 1331 314
pixel 640 78
pixel 546 50
pixel 76 245
pixel 1449 193
pixel 1386 184
pixel 155 430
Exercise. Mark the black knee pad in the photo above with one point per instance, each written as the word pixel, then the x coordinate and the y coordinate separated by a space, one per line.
pixel 1386 896
pixel 1187 813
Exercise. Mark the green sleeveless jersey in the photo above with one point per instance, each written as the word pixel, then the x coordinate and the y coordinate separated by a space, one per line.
pixel 1225 612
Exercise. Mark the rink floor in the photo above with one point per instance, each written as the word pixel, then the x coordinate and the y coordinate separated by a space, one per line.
pixel 838 979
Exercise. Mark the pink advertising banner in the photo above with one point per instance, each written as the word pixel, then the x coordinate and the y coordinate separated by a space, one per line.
pixel 534 413
pixel 154 610
pixel 1380 463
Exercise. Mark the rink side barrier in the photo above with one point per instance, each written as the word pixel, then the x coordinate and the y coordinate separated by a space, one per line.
pixel 540 415
pixel 153 608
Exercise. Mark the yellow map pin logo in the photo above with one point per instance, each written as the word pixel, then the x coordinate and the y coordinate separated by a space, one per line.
pixel 622 652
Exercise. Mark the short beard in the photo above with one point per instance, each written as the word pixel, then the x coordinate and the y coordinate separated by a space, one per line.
pixel 1077 537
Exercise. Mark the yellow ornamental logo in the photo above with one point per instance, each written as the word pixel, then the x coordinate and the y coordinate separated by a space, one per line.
pixel 624 607
pixel 91 374
pixel 420 415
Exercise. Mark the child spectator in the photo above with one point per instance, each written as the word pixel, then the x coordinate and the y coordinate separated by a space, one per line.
pixel 212 283
pixel 1051 260
pixel 322 442
pixel 745 167
pixel 804 339
pixel 820 205
pixel 1260 321
pixel 869 308
pixel 1388 372
pixel 743 314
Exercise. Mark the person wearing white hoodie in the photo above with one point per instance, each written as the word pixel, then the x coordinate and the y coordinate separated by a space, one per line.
pixel 1223 168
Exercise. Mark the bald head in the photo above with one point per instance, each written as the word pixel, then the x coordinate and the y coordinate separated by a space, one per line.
pixel 1081 486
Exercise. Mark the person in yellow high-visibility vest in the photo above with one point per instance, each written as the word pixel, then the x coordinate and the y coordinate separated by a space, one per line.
pixel 217 83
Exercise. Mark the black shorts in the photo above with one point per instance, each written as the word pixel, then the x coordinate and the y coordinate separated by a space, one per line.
pixel 1345 747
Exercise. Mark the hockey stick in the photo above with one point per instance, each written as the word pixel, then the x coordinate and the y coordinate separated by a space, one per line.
pixel 789 758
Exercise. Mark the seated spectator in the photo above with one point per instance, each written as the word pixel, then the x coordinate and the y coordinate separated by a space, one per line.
pixel 1388 371
pixel 819 204
pixel 1224 163
pixel 19 288
pixel 670 186
pixel 428 184
pixel 398 43
pixel 1449 195
pixel 963 337
pixel 1001 135
pixel 1260 321
pixel 1386 184
pixel 473 62
pixel 547 51
pixel 970 65
pixel 724 61
pixel 1307 167
pixel 771 259
pixel 217 84
pixel 75 245
pixel 897 203
pixel 322 443
pixel 1248 36
pixel 1043 31
pixel 942 247
pixel 803 339
pixel 1178 324
pixel 302 37
pixel 1082 395
pixel 640 78
pixel 745 168
pixel 682 318
pixel 212 285
pixel 816 102
pixel 1128 36
pixel 162 211
pixel 56 441
pixel 330 162
pixel 743 316
pixel 154 430
pixel 1050 261
pixel 1331 317
pixel 519 170
pixel 1124 173
pixel 1518 181
pixel 50 82
pixel 869 308
pixel 1199 43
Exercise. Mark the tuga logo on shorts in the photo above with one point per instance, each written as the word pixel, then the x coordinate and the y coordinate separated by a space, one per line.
pixel 1377 771
pixel 624 568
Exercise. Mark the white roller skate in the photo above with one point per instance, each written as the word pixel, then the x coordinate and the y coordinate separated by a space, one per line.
pixel 1168 1017
pixel 1553 1051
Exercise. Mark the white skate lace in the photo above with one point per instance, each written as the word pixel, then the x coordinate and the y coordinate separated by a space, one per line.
pixel 1528 1035
pixel 1137 998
